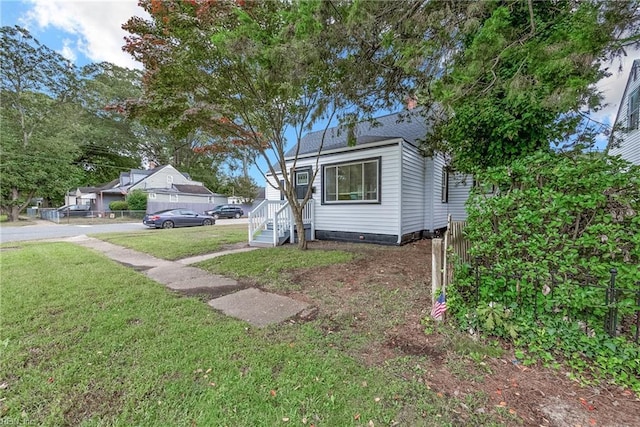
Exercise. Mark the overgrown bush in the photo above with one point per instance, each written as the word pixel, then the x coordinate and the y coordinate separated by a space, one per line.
pixel 542 242
pixel 137 200
pixel 119 205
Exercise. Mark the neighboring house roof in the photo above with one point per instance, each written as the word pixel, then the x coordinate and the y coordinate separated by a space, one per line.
pixel 408 125
pixel 193 189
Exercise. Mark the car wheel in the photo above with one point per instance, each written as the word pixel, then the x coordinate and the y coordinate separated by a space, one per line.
pixel 216 216
pixel 206 222
pixel 167 224
pixel 237 215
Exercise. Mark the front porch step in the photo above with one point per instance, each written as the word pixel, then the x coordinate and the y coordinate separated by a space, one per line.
pixel 265 239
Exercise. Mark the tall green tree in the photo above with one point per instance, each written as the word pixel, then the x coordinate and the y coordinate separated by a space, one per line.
pixel 523 77
pixel 109 141
pixel 246 72
pixel 36 101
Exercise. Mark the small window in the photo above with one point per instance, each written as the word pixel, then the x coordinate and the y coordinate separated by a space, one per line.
pixel 169 179
pixel 152 195
pixel 445 186
pixel 357 182
pixel 173 198
pixel 634 109
pixel 302 178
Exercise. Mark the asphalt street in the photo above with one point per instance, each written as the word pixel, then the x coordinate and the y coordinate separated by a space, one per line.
pixel 46 230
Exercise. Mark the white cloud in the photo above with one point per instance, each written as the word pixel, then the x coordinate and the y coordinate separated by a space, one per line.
pixel 95 25
pixel 613 86
pixel 67 51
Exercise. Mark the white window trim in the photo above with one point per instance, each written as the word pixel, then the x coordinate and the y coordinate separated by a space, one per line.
pixel 444 186
pixel 152 195
pixel 173 198
pixel 633 113
pixel 169 179
pixel 378 198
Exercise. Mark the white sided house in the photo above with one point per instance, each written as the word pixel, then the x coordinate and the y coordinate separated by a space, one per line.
pixel 379 190
pixel 625 142
pixel 166 188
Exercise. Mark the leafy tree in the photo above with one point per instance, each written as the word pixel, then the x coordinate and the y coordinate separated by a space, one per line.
pixel 245 72
pixel 244 187
pixel 556 222
pixel 137 200
pixel 524 77
pixel 36 101
pixel 109 142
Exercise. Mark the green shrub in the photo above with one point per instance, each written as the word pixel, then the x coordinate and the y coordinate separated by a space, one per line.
pixel 556 223
pixel 119 205
pixel 137 200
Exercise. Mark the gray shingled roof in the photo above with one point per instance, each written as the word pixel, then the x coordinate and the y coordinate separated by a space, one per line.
pixel 409 126
pixel 192 189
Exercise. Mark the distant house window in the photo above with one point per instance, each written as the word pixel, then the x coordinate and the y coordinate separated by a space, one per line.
pixel 152 195
pixel 634 109
pixel 356 182
pixel 169 179
pixel 173 197
pixel 445 186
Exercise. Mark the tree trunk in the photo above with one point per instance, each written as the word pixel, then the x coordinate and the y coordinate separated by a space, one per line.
pixel 14 211
pixel 302 238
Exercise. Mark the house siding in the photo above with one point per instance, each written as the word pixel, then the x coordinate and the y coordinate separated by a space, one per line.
pixel 459 187
pixel 439 210
pixel 412 212
pixel 629 148
pixel 371 218
pixel 159 179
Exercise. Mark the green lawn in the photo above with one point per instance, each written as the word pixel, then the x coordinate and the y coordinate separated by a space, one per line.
pixel 267 265
pixel 86 341
pixel 179 243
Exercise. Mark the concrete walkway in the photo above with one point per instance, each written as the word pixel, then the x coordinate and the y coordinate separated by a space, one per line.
pixel 252 305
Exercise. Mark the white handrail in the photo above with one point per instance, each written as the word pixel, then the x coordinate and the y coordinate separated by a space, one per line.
pixel 279 214
pixel 260 217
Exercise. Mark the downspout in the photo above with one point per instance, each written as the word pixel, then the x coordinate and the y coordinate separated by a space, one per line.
pixel 399 216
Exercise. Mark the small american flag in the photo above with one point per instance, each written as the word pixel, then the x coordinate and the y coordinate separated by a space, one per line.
pixel 439 307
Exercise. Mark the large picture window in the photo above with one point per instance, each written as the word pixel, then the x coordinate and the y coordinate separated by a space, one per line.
pixel 634 109
pixel 355 182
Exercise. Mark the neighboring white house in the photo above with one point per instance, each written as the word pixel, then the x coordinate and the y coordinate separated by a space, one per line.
pixel 628 135
pixel 165 186
pixel 380 189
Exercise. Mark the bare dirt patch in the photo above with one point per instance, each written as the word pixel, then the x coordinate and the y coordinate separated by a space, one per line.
pixel 384 294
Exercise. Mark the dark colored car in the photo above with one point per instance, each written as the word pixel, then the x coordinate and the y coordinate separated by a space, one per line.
pixel 74 210
pixel 170 218
pixel 226 211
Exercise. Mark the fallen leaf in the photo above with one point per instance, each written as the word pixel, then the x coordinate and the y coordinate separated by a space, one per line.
pixel 499 392
pixel 273 393
pixel 212 384
pixel 512 411
pixel 50 379
pixel 285 419
pixel 370 423
pixel 592 421
pixel 502 404
pixel 356 417
pixel 439 394
pixel 207 371
pixel 377 399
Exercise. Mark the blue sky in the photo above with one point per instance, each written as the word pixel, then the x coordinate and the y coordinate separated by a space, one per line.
pixel 87 31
